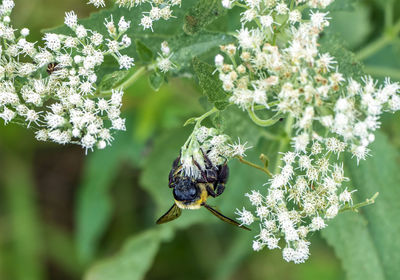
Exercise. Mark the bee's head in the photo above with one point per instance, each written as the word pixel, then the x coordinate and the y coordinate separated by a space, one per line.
pixel 186 189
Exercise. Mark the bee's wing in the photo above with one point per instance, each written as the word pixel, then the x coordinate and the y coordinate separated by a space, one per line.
pixel 224 218
pixel 173 213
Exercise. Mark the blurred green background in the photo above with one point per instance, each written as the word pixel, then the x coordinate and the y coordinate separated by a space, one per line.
pixel 64 215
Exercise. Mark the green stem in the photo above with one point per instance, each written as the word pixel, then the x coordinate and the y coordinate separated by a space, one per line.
pixel 263 169
pixel 261 122
pixel 355 207
pixel 127 83
pixel 389 13
pixel 262 107
pixel 379 43
pixel 205 115
pixel 198 121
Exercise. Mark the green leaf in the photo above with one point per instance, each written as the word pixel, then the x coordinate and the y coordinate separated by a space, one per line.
pixel 134 260
pixel 237 124
pixel 348 234
pixel 94 206
pixel 204 44
pixel 342 5
pixel 113 79
pixel 202 14
pixel 348 64
pixel 210 84
pixel 352 26
pixel 365 243
pixel 156 80
pixel 145 54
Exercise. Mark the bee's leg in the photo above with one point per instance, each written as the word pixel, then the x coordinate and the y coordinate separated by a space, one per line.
pixel 211 175
pixel 209 164
pixel 171 178
pixel 223 173
pixel 211 191
pixel 176 162
pixel 219 189
pixel 203 178
pixel 172 173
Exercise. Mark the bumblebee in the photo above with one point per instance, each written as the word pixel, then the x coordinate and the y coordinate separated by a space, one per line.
pixel 192 193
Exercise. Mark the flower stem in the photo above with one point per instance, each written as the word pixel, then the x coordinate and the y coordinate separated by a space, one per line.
pixel 355 207
pixel 263 169
pixel 198 121
pixel 205 115
pixel 261 122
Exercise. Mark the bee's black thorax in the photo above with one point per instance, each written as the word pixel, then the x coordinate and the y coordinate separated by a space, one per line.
pixel 186 189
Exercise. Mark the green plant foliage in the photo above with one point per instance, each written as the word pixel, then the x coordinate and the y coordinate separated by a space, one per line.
pixel 202 14
pixel 145 54
pixel 114 79
pixel 94 207
pixel 156 80
pixel 364 242
pixel 134 260
pixel 210 84
pixel 341 5
pixel 185 47
pixel 352 26
pixel 349 65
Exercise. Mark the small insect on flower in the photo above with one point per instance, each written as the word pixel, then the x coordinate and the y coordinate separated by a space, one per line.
pixel 51 67
pixel 192 193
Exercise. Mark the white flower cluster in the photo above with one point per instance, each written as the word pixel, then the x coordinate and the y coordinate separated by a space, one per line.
pixel 207 141
pixel 293 78
pixel 277 66
pixel 160 9
pixel 307 192
pixel 61 104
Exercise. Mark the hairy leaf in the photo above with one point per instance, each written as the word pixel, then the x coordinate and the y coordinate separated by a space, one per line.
pixel 348 64
pixel 365 242
pixel 342 5
pixel 210 84
pixel 113 79
pixel 202 14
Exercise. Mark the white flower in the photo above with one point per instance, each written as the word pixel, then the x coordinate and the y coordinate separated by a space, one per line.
pixel 146 22
pixel 238 149
pixel 24 32
pixel 70 19
pixel 125 62
pixel 255 198
pixel 245 217
pixel 123 25
pixel 97 3
pixel 317 223
pixel 52 41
